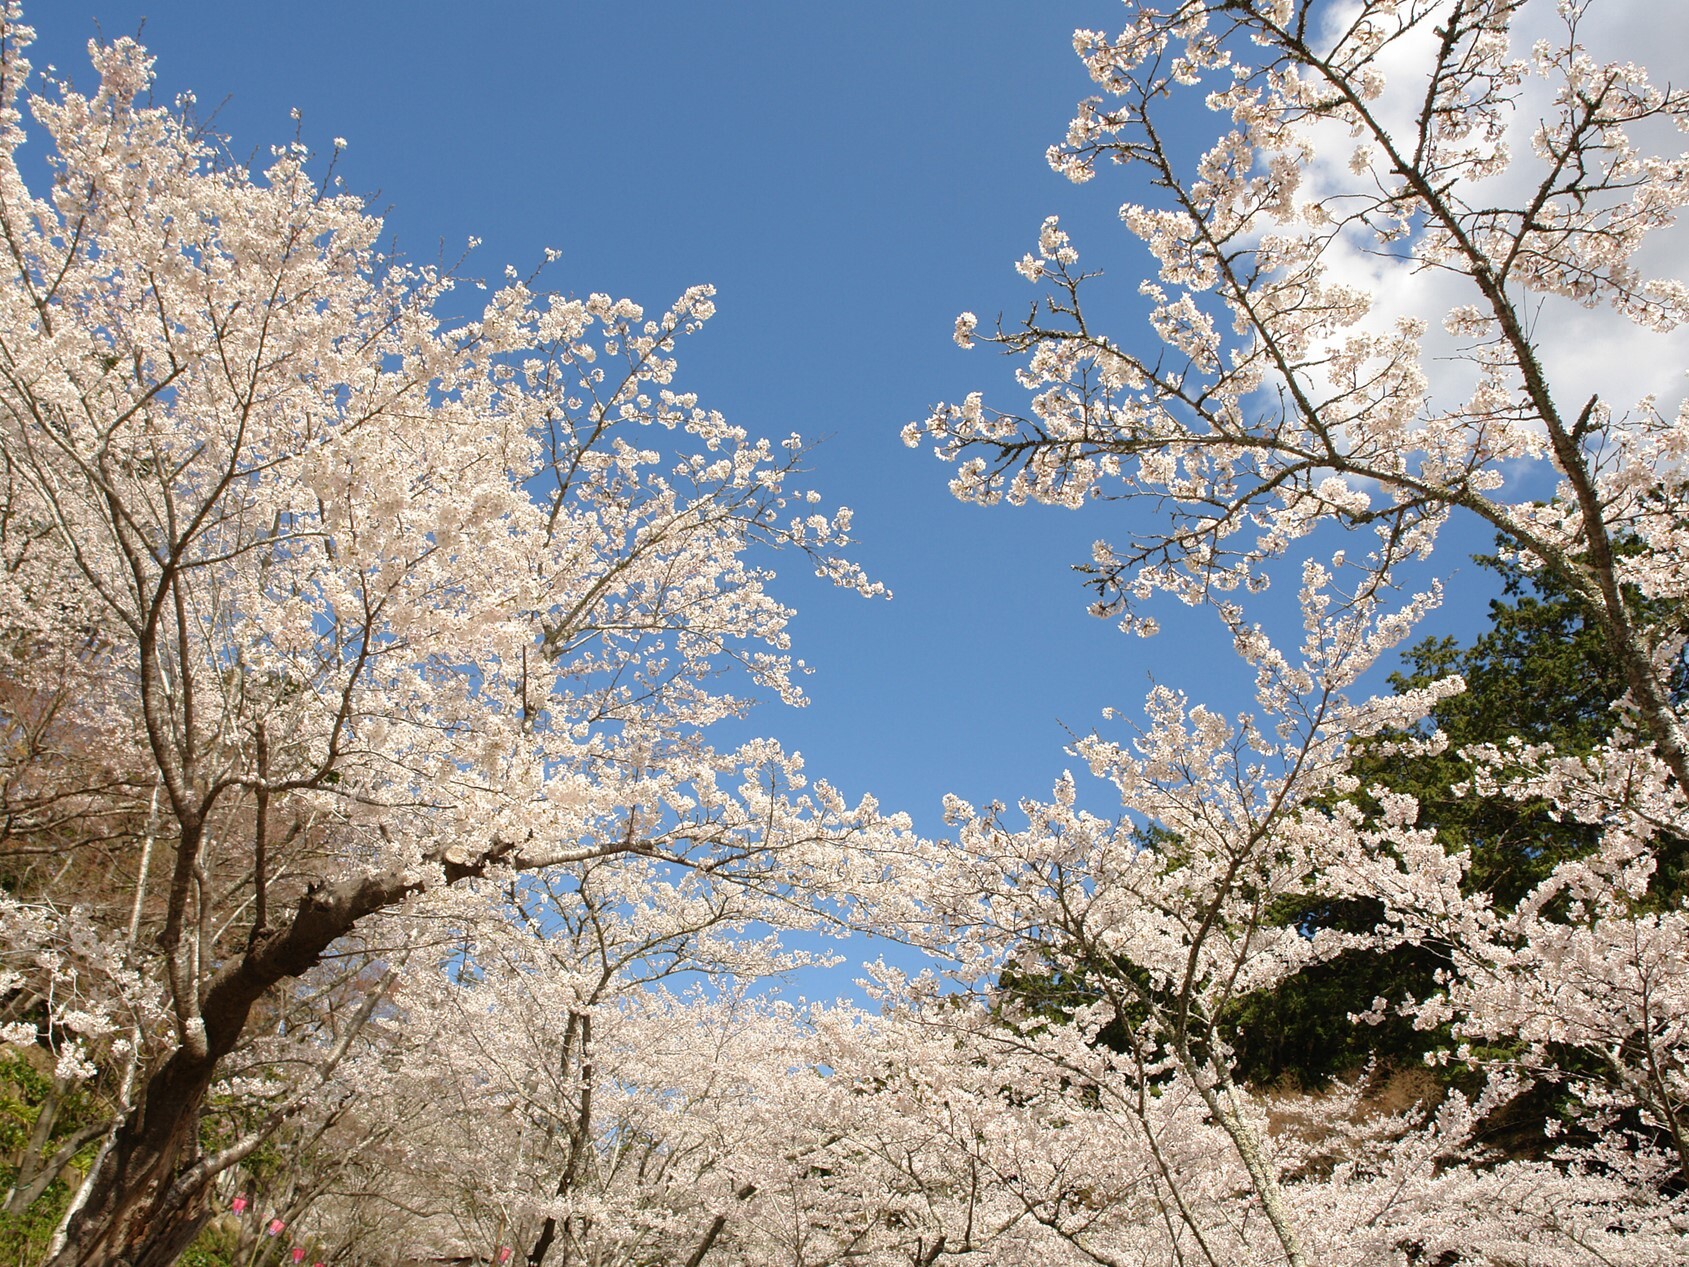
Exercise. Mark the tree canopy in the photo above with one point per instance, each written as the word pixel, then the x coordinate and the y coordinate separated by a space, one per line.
pixel 385 873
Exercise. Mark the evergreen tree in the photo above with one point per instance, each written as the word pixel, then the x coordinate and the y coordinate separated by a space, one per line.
pixel 1541 673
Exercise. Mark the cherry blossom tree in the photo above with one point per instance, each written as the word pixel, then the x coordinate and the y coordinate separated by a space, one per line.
pixel 1498 181
pixel 318 602
pixel 598 1041
pixel 361 815
pixel 652 1125
pixel 1317 406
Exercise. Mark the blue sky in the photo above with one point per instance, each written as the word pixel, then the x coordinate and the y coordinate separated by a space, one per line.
pixel 849 177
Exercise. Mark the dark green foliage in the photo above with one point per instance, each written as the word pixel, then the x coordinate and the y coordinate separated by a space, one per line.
pixel 217 1245
pixel 1541 673
pixel 23 1088
pixel 1302 1032
pixel 25 1093
pixel 24 1236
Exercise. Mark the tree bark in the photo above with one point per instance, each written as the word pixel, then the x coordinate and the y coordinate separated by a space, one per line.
pixel 134 1214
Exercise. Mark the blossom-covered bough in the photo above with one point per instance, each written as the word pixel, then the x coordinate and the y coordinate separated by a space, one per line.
pixel 1283 394
pixel 316 603
pixel 372 888
pixel 1366 343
